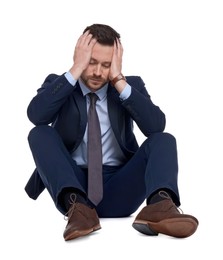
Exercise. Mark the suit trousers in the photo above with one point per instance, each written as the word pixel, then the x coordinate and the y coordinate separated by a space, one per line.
pixel 153 167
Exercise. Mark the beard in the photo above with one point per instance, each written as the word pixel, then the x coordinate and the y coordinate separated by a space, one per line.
pixel 94 82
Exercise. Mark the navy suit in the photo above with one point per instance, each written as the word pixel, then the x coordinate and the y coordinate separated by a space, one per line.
pixel 60 115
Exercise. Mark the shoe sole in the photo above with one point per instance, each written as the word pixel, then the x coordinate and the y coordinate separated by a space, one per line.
pixel 80 233
pixel 175 227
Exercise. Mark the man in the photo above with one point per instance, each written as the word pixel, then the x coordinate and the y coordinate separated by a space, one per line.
pixel 61 141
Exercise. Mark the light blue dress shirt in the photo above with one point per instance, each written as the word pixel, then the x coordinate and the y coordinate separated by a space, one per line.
pixel 111 152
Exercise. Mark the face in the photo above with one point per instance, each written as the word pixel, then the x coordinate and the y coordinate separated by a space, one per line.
pixel 97 73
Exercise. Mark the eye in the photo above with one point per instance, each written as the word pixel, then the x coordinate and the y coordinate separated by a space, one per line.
pixel 92 62
pixel 106 65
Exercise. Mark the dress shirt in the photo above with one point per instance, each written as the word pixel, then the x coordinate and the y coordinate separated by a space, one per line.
pixel 111 153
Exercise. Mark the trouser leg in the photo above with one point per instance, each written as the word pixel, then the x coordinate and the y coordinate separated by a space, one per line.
pixel 54 163
pixel 153 167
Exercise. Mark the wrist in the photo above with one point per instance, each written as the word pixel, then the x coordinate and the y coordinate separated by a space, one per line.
pixel 76 71
pixel 117 78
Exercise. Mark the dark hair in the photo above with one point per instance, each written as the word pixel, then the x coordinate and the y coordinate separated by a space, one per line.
pixel 104 34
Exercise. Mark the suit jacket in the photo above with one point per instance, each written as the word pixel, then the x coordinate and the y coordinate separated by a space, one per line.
pixel 58 104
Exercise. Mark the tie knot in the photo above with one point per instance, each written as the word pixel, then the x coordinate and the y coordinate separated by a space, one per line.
pixel 93 97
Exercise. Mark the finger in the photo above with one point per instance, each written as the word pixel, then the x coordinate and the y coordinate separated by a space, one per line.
pixel 119 45
pixel 118 50
pixel 84 39
pixel 89 41
pixel 115 48
pixel 92 42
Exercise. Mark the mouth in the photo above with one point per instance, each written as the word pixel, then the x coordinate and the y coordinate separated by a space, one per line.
pixel 96 81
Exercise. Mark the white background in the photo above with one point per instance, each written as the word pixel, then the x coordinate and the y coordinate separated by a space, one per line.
pixel 177 48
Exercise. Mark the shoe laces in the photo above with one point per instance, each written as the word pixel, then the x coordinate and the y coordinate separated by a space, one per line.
pixel 165 195
pixel 72 201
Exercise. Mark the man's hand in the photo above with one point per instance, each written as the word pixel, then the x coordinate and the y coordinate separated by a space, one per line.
pixel 82 54
pixel 116 64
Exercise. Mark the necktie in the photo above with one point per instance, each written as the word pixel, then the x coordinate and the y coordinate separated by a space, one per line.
pixel 95 186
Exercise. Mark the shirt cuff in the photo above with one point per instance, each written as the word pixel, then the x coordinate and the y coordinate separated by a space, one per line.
pixel 70 78
pixel 126 92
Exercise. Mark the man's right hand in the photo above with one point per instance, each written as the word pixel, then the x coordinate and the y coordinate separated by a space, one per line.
pixel 82 54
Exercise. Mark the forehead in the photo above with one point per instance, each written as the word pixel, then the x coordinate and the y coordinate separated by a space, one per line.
pixel 102 53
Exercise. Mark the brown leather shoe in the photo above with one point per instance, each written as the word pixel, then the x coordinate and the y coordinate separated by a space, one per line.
pixel 82 220
pixel 164 217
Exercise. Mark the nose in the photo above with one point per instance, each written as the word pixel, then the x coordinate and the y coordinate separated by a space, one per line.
pixel 97 70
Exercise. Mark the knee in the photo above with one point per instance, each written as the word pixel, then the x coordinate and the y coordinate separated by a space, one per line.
pixel 36 133
pixel 163 137
pixel 168 137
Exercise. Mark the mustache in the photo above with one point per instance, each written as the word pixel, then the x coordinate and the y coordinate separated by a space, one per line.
pixel 96 78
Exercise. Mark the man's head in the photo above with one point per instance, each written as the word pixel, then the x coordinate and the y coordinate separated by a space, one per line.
pixel 104 34
pixel 96 75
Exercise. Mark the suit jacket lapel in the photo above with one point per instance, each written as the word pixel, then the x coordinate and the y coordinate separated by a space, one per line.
pixel 82 111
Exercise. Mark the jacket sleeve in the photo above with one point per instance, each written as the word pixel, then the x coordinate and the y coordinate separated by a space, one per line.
pixel 44 107
pixel 148 116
